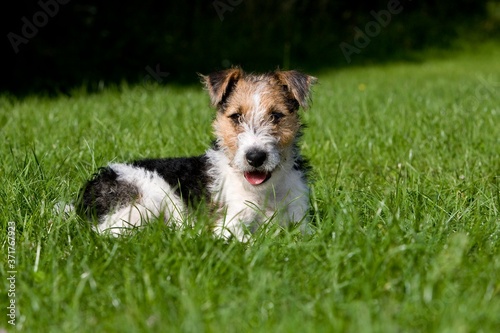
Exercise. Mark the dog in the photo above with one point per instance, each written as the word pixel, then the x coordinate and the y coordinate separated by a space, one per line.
pixel 251 175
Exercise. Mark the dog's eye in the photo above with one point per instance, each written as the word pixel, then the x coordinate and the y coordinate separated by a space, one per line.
pixel 276 117
pixel 236 118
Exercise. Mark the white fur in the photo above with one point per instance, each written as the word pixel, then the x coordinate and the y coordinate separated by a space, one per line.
pixel 156 197
pixel 284 197
pixel 256 137
pixel 257 134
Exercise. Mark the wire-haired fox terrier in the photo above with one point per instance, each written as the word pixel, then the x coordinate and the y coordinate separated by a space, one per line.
pixel 252 174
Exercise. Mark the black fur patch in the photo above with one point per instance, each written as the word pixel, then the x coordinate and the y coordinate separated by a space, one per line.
pixel 188 175
pixel 302 164
pixel 104 193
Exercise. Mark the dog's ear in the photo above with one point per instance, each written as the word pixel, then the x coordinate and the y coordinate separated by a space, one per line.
pixel 220 84
pixel 297 84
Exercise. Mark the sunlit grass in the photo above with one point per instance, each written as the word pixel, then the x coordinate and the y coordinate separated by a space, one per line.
pixel 405 204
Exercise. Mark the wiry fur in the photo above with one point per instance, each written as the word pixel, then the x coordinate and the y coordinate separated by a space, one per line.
pixel 252 174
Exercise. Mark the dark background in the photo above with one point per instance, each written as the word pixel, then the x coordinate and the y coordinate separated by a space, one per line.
pixel 93 43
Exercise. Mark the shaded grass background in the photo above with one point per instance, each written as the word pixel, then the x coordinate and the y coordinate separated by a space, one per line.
pixel 405 203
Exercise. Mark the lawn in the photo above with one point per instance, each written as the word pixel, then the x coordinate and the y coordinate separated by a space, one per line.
pixel 405 200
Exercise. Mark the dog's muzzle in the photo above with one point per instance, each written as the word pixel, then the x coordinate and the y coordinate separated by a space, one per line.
pixel 256 159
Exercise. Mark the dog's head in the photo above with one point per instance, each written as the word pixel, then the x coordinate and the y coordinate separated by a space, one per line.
pixel 257 122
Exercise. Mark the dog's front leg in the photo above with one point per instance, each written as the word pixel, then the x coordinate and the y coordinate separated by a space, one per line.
pixel 238 222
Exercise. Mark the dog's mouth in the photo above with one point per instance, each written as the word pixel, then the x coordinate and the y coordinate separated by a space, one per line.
pixel 257 177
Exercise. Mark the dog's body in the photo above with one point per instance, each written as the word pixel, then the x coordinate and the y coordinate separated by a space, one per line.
pixel 252 174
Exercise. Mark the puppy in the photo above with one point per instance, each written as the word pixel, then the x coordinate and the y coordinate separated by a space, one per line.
pixel 252 174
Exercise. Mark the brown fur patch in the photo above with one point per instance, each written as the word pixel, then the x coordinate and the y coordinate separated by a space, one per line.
pixel 220 84
pixel 226 133
pixel 280 92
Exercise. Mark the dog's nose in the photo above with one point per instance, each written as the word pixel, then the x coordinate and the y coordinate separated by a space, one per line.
pixel 256 157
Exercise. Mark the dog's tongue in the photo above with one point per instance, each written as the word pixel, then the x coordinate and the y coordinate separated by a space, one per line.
pixel 256 177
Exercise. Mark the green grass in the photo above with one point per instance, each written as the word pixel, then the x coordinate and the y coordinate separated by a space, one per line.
pixel 406 200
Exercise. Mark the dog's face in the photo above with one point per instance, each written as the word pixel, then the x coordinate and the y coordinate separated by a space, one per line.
pixel 257 121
